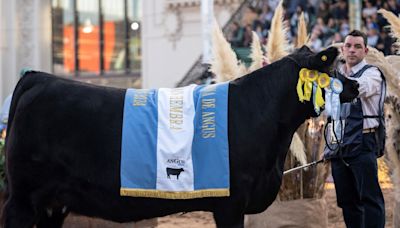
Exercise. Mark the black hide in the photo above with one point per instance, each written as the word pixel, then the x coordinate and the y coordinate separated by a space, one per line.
pixel 350 89
pixel 63 148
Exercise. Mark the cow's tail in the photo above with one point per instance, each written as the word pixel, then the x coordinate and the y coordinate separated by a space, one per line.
pixel 23 85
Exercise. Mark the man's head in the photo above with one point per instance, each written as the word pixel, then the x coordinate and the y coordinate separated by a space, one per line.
pixel 354 48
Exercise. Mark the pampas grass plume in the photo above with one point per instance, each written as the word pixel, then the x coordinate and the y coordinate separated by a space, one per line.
pixel 256 53
pixel 298 150
pixel 277 39
pixel 224 63
pixel 394 22
pixel 302 36
pixel 377 59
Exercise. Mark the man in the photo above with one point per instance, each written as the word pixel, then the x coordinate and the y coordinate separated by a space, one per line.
pixel 354 168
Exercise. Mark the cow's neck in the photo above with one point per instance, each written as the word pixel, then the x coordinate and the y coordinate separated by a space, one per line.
pixel 269 104
pixel 264 114
pixel 271 92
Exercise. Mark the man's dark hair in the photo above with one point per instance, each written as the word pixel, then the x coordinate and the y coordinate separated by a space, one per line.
pixel 358 33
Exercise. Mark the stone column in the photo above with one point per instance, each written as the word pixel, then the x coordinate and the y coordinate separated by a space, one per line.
pixel 34 34
pixel 8 46
pixel 25 40
pixel 355 8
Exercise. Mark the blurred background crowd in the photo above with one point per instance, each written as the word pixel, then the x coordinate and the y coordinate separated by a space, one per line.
pixel 327 20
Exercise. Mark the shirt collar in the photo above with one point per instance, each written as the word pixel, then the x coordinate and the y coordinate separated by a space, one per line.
pixel 354 69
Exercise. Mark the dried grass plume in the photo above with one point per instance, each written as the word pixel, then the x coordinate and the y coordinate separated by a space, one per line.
pixel 277 39
pixel 377 59
pixel 394 22
pixel 256 53
pixel 297 149
pixel 302 36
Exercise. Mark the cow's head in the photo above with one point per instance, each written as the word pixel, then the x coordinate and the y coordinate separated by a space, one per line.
pixel 323 62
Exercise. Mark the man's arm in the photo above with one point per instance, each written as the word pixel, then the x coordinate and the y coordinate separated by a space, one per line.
pixel 370 82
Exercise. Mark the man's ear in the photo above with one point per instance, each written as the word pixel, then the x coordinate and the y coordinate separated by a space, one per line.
pixel 366 50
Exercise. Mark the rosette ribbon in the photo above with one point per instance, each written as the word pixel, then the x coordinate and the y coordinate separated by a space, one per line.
pixel 332 98
pixel 310 83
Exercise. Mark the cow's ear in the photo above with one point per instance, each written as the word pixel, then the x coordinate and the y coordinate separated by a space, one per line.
pixel 325 58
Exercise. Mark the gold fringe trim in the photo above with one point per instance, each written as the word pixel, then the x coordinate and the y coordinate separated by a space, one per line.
pixel 174 195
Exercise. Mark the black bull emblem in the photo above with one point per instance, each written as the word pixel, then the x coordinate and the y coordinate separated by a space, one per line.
pixel 63 147
pixel 174 172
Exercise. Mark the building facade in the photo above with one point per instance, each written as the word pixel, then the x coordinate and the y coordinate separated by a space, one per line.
pixel 121 43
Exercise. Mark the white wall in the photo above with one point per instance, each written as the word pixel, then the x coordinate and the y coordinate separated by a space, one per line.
pixel 166 61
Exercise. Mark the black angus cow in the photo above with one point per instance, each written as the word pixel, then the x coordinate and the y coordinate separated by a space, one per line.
pixel 63 147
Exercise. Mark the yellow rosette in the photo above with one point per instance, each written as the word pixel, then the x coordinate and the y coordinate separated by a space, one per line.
pixel 323 80
pixel 305 86
pixel 311 75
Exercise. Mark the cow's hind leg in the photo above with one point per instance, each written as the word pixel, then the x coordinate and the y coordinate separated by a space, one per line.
pixel 51 219
pixel 18 214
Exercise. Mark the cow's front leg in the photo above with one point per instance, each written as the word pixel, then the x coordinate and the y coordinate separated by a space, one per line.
pixel 18 214
pixel 229 218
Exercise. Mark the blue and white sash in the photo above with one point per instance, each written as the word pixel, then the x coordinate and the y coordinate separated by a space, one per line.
pixel 175 143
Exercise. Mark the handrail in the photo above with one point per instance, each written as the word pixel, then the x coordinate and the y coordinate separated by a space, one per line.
pixel 199 71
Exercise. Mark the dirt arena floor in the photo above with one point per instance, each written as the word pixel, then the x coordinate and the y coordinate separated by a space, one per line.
pixel 335 219
pixel 205 220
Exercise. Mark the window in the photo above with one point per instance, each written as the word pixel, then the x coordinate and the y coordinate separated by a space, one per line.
pixel 96 37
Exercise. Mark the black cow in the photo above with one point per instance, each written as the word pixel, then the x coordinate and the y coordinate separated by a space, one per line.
pixel 172 171
pixel 63 147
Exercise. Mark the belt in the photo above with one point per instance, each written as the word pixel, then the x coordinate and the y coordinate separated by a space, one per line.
pixel 368 130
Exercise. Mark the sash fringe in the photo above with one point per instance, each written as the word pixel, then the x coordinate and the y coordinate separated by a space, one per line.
pixel 174 195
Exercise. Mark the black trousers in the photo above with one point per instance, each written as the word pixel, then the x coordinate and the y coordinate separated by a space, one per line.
pixel 358 192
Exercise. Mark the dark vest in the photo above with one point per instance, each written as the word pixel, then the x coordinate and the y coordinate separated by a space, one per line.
pixel 352 143
pixel 354 120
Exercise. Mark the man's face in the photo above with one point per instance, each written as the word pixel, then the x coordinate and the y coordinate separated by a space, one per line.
pixel 354 50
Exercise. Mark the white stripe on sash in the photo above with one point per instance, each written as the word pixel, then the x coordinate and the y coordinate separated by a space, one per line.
pixel 175 133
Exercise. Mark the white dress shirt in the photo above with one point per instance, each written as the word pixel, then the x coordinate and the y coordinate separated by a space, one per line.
pixel 369 91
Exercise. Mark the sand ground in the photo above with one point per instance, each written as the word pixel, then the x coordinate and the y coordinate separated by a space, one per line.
pixel 335 219
pixel 205 220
